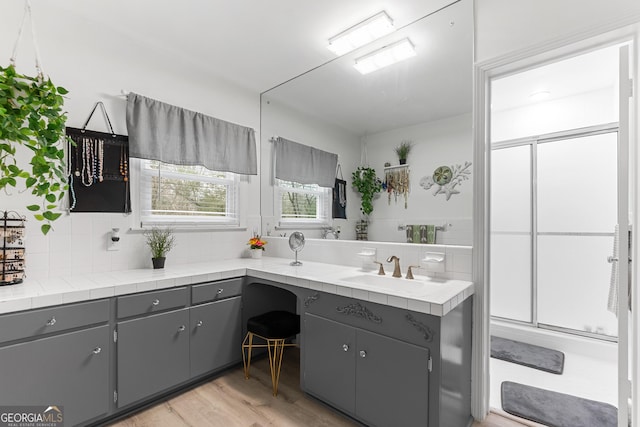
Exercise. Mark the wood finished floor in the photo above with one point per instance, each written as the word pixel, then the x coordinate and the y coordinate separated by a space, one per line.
pixel 232 401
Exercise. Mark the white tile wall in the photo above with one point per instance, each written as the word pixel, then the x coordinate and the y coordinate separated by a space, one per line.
pixel 344 252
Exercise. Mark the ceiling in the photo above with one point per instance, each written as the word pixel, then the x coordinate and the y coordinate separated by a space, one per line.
pixel 253 44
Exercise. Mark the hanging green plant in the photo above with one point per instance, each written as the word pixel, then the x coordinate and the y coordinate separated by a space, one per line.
pixel 368 184
pixel 31 116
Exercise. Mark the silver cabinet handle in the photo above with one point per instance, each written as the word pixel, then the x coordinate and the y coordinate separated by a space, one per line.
pixel 363 354
pixel 181 328
pixel 51 321
pixel 345 347
pixel 97 350
pixel 221 290
pixel 200 323
pixel 155 302
pixel 611 259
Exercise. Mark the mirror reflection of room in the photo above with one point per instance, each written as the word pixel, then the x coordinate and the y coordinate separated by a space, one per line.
pixel 423 102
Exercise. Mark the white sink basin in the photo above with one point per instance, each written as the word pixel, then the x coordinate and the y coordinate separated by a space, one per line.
pixel 419 286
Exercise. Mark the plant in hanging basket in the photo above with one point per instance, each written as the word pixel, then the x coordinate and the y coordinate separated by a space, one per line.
pixel 31 116
pixel 364 179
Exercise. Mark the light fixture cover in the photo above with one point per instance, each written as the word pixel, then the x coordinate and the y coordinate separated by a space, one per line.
pixel 385 56
pixel 360 34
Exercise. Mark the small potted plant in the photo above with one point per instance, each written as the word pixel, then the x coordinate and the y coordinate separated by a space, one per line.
pixel 256 246
pixel 403 151
pixel 160 242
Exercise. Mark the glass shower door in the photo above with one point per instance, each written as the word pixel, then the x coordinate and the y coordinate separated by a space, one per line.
pixel 576 218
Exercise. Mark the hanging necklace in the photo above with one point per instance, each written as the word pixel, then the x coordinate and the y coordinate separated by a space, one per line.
pixel 76 152
pixel 100 160
pixel 124 167
pixel 87 176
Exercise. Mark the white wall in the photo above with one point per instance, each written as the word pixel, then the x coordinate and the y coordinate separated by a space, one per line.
pixel 444 142
pixel 95 66
pixel 279 120
pixel 504 26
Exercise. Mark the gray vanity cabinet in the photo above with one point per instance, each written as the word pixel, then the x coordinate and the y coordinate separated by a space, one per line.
pixel 380 380
pixel 152 354
pixel 330 361
pixel 392 381
pixel 69 370
pixel 216 335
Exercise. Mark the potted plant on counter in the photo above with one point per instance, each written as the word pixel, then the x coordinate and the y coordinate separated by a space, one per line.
pixel 256 246
pixel 160 242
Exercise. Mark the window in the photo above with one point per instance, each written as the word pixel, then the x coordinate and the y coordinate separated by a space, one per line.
pixel 175 194
pixel 302 203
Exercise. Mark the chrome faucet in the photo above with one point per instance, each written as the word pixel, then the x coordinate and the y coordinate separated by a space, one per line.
pixel 396 267
pixel 335 233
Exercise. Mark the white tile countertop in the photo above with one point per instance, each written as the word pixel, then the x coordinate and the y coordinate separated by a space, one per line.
pixel 423 294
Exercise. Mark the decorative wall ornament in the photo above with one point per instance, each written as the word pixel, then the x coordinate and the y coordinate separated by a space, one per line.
pixel 396 181
pixel 446 179
pixel 358 310
pixel 424 329
pixel 311 299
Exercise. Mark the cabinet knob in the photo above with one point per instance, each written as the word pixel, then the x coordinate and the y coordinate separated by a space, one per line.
pixel 155 302
pixel 51 321
pixel 345 347
pixel 221 290
pixel 200 323
pixel 363 354
pixel 181 328
pixel 97 350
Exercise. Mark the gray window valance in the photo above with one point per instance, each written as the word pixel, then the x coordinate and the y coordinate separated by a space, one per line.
pixel 304 164
pixel 171 134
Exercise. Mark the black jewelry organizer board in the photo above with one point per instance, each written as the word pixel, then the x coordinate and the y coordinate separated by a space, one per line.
pixel 110 195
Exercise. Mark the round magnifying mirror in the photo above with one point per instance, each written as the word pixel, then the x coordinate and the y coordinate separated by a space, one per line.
pixel 296 243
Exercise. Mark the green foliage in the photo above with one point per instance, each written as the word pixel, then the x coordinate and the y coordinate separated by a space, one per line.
pixel 368 184
pixel 160 241
pixel 404 149
pixel 31 116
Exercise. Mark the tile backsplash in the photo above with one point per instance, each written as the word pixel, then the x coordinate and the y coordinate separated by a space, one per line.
pixel 345 252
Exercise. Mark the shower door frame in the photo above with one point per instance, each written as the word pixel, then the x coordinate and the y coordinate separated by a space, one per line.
pixel 533 142
pixel 623 31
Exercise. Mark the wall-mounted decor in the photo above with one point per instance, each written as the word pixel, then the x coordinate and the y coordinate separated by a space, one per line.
pixel 99 169
pixel 396 183
pixel 446 179
pixel 12 251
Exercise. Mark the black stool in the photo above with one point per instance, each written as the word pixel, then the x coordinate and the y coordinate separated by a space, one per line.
pixel 274 327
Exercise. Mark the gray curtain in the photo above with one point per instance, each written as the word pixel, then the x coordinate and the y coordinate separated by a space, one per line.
pixel 171 134
pixel 304 164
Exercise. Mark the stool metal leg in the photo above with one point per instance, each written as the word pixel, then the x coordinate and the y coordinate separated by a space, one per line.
pixel 276 350
pixel 246 360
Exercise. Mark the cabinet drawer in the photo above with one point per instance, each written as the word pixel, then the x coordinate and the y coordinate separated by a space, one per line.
pixel 49 320
pixel 410 326
pixel 216 290
pixel 152 302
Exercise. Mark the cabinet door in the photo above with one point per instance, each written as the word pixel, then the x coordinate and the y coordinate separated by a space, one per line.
pixel 329 368
pixel 69 370
pixel 153 355
pixel 216 335
pixel 392 381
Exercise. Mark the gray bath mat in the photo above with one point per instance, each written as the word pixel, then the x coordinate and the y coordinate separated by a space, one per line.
pixel 529 355
pixel 556 409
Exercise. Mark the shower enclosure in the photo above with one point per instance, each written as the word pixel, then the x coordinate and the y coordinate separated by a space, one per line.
pixel 553 215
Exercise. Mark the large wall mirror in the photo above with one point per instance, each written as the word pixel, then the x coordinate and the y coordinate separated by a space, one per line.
pixel 425 99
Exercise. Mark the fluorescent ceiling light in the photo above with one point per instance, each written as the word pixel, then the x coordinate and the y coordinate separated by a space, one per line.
pixel 385 56
pixel 360 34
